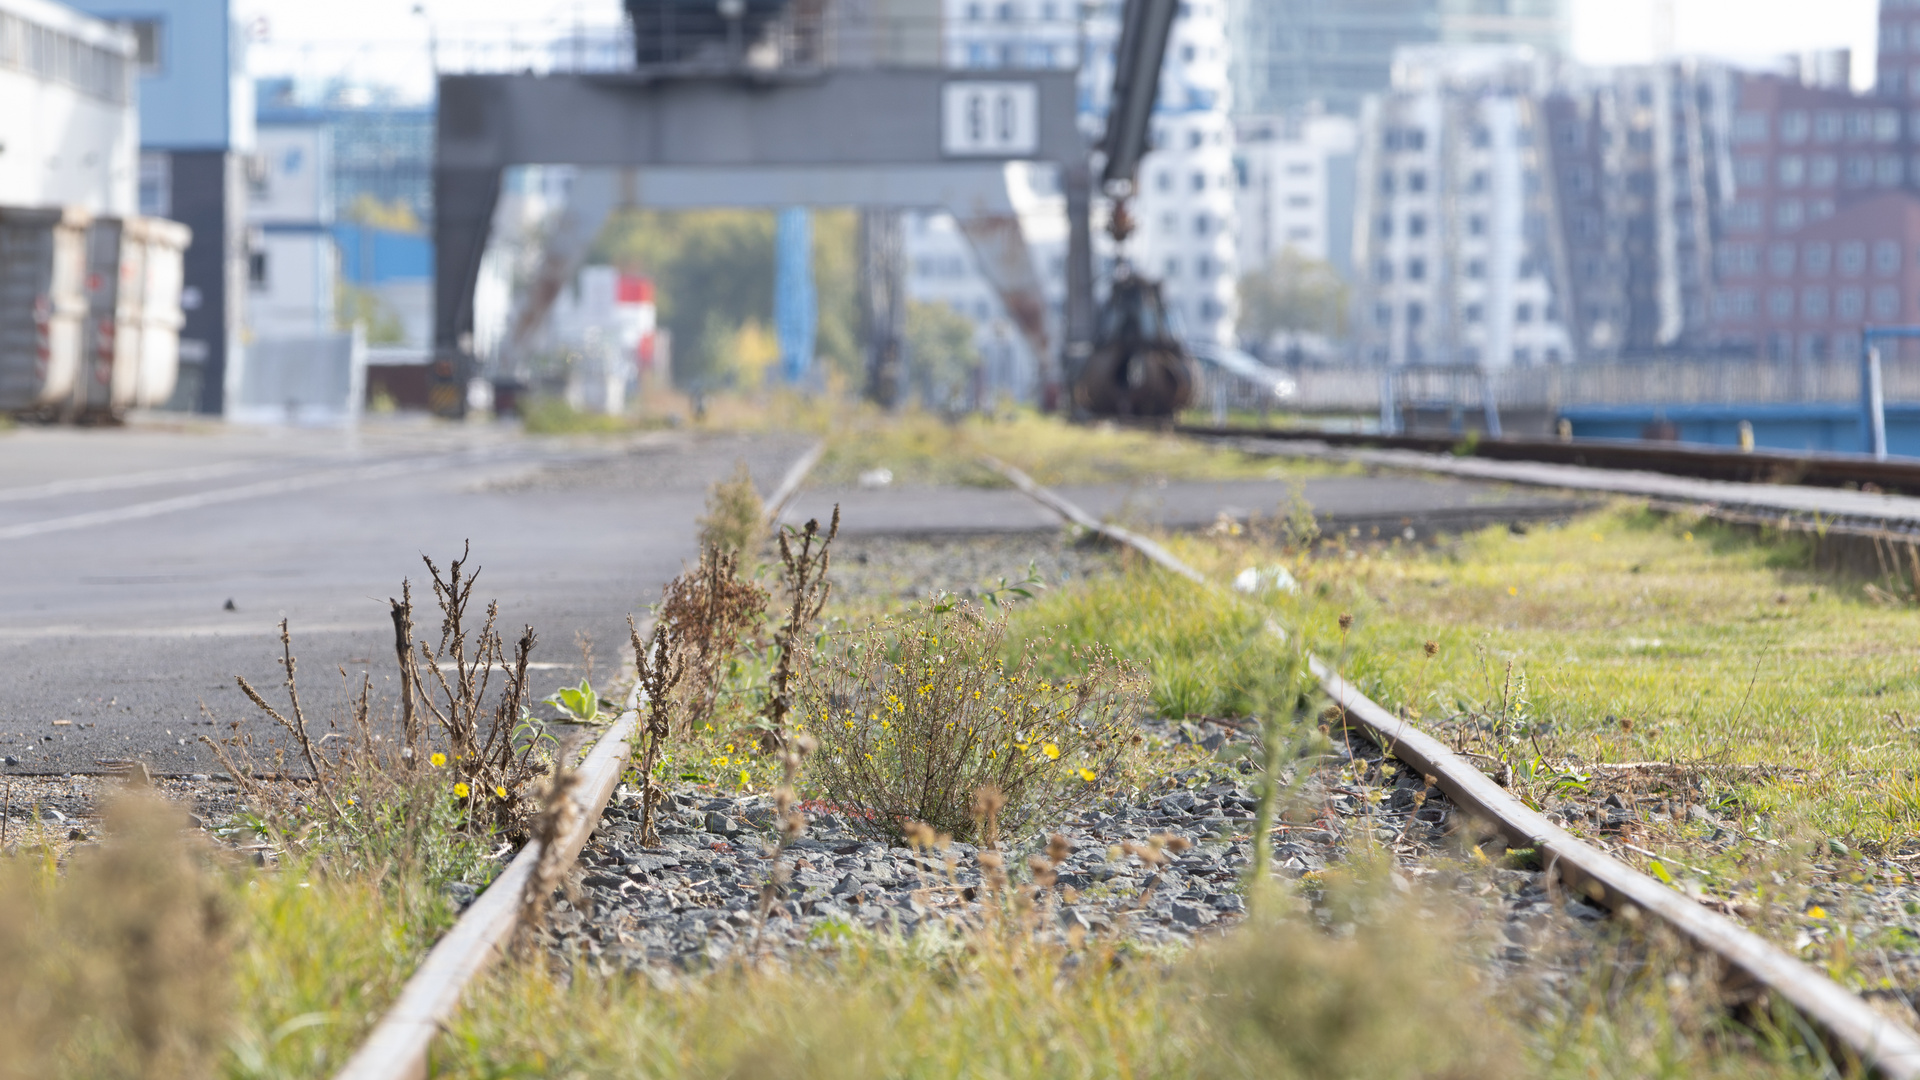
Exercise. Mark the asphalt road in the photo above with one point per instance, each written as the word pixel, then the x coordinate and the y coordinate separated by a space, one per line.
pixel 121 549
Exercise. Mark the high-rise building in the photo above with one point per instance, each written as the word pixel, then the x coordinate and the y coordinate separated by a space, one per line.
pixel 69 133
pixel 1454 240
pixel 1295 178
pixel 1546 25
pixel 1291 53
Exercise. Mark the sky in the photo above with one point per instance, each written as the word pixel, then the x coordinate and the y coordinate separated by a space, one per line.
pixel 385 41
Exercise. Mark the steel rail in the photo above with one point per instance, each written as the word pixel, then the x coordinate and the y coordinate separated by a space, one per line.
pixel 1890 1049
pixel 1815 469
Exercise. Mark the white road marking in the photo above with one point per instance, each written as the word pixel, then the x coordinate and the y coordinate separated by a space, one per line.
pixel 261 489
pixel 92 484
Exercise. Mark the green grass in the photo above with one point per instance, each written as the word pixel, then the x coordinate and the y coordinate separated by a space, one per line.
pixel 919 448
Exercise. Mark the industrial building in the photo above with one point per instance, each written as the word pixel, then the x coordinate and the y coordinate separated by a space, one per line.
pixel 196 134
pixel 69 132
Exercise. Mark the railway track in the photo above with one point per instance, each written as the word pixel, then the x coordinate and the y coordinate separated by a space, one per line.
pixel 1809 469
pixel 399 1045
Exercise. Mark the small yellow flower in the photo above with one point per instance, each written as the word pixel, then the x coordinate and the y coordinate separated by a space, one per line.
pixel 744 778
pixel 1687 536
pixel 1816 912
pixel 1512 591
pixel 439 760
pixel 1087 775
pixel 1052 752
pixel 500 791
pixel 461 790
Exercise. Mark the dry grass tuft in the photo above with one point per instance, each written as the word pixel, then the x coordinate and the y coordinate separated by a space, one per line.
pixel 121 969
pixel 916 715
pixel 705 615
pixel 735 521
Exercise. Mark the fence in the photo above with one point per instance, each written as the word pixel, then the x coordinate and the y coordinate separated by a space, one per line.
pixel 307 382
pixel 1653 383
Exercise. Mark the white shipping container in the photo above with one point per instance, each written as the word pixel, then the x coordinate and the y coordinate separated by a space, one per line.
pixel 131 353
pixel 42 307
pixel 157 321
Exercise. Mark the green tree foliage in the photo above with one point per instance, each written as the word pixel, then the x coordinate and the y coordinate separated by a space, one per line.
pixel 359 304
pixel 1292 293
pixel 713 271
pixel 940 353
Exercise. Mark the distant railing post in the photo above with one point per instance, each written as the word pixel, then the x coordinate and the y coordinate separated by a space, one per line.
pixel 1389 417
pixel 1873 405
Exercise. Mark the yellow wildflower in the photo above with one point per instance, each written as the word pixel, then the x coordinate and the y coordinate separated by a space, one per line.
pixel 438 759
pixel 461 790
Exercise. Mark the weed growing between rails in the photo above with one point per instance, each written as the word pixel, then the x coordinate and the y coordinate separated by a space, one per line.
pixel 916 714
pixel 705 617
pixel 735 522
pixel 373 782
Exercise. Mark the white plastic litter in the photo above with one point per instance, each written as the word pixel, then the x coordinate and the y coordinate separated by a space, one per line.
pixel 876 478
pixel 1253 580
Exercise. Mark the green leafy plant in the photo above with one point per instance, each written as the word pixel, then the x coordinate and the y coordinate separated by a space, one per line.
pixel 580 703
pixel 914 715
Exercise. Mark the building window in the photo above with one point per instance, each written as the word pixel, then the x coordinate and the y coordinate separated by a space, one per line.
pixel 1813 304
pixel 1416 180
pixel 1201 223
pixel 1886 170
pixel 1886 302
pixel 1523 313
pixel 1819 209
pixel 1780 304
pixel 1471 313
pixel 1850 304
pixel 1780 260
pixel 1416 139
pixel 1743 215
pixel 1383 316
pixel 1818 259
pixel 1860 124
pixel 1751 127
pixel 149 44
pixel 1793 170
pixel 156 183
pixel 1199 181
pixel 1826 126
pixel 1172 269
pixel 1824 170
pixel 1164 180
pixel 1853 258
pixel 1416 313
pixel 1203 267
pixel 1416 225
pixel 1787 215
pixel 1734 303
pixel 1886 125
pixel 1416 269
pixel 1476 269
pixel 1383 271
pixel 1750 170
pixel 1477 183
pixel 1886 257
pixel 1859 170
pixel 257 269
pixel 1736 260
pixel 1386 183
pixel 1476 225
pixel 1384 226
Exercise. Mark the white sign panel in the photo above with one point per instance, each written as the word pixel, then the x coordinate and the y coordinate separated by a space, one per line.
pixel 990 119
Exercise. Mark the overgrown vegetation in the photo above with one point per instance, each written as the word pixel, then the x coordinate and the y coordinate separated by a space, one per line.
pixel 916 715
pixel 735 522
pixel 1278 999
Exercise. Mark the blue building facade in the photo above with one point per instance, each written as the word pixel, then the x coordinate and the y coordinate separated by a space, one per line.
pixel 196 130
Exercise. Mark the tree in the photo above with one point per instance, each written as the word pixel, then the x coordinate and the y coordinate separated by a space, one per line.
pixel 713 272
pixel 358 304
pixel 941 355
pixel 1292 294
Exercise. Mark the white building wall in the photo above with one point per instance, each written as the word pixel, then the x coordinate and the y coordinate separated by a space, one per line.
pixel 1453 268
pixel 294 264
pixel 1286 173
pixel 68 137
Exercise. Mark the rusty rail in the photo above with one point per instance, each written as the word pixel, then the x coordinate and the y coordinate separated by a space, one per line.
pixel 1890 1049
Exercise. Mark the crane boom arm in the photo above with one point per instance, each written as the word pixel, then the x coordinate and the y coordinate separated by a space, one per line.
pixel 1144 29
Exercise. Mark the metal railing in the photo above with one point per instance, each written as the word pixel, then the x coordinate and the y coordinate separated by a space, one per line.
pixel 1664 382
